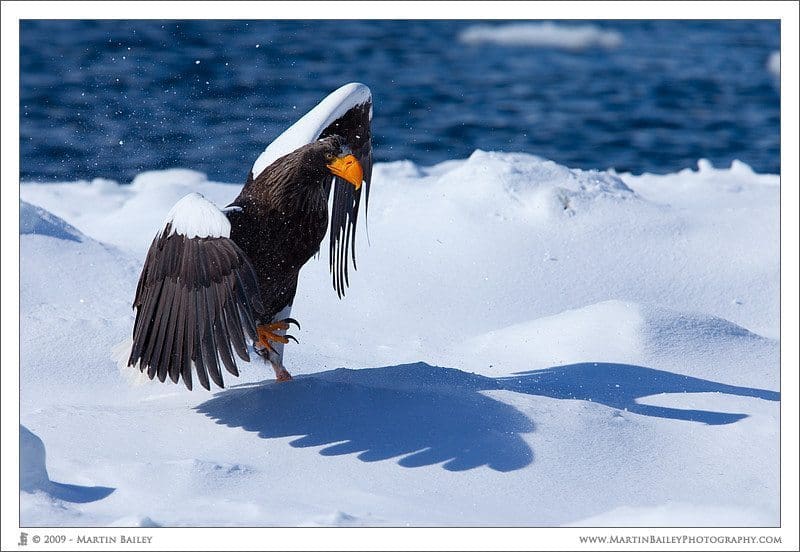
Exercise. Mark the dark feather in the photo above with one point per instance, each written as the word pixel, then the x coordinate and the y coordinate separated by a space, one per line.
pixel 200 366
pixel 207 342
pixel 177 363
pixel 196 298
pixel 168 333
pixel 355 127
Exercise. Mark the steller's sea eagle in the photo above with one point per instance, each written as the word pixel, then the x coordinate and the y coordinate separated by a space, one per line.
pixel 214 278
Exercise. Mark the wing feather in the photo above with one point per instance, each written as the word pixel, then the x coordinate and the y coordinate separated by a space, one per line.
pixel 245 307
pixel 200 367
pixel 355 127
pixel 156 339
pixel 168 335
pixel 196 299
pixel 176 366
pixel 207 342
pixel 234 327
pixel 224 345
pixel 189 334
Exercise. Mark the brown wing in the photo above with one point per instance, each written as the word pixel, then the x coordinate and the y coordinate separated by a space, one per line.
pixel 355 127
pixel 196 300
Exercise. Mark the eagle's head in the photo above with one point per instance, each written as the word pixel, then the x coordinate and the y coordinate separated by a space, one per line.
pixel 337 157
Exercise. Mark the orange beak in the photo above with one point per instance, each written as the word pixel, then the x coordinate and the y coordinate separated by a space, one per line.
pixel 349 168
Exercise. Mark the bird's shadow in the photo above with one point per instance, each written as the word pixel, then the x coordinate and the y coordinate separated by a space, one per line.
pixel 621 385
pixel 424 414
pixel 427 415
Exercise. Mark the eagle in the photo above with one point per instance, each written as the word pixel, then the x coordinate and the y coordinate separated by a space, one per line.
pixel 215 280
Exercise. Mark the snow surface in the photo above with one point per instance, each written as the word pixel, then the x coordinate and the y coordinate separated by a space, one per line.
pixel 542 35
pixel 523 344
pixel 309 127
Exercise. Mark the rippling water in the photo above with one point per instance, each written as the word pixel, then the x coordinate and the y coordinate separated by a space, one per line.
pixel 114 98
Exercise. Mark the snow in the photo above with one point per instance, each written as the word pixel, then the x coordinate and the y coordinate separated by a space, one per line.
pixel 542 35
pixel 35 480
pixel 774 64
pixel 196 217
pixel 523 344
pixel 309 127
pixel 676 515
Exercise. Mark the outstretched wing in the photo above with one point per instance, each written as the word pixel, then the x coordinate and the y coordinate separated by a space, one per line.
pixel 347 112
pixel 196 299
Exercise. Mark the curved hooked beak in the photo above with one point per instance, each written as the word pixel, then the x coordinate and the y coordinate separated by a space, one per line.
pixel 349 168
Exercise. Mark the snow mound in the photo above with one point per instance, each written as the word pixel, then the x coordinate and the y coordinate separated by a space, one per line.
pixel 617 331
pixel 667 328
pixel 339 519
pixel 692 184
pixel 542 35
pixel 32 471
pixel 134 521
pixel 126 215
pixel 149 180
pixel 70 286
pixel 33 475
pixel 35 220
pixel 538 187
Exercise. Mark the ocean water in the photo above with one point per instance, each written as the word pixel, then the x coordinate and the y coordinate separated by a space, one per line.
pixel 114 98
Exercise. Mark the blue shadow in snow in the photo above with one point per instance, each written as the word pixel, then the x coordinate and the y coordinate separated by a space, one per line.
pixel 620 385
pixel 429 415
pixel 425 414
pixel 33 473
pixel 35 220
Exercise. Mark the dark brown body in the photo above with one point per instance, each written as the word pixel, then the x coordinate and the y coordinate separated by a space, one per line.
pixel 205 295
pixel 282 219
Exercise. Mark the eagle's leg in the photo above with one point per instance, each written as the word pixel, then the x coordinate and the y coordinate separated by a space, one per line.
pixel 271 339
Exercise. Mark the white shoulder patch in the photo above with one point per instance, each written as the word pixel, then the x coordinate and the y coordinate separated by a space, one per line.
pixel 196 217
pixel 311 125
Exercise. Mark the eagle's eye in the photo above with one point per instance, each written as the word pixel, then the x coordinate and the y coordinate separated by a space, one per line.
pixel 329 156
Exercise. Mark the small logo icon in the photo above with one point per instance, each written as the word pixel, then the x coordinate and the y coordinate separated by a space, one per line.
pixel 23 539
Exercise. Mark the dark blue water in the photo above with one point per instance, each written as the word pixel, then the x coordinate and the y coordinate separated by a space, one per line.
pixel 114 98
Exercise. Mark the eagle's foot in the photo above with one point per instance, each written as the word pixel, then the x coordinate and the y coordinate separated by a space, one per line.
pixel 281 374
pixel 268 333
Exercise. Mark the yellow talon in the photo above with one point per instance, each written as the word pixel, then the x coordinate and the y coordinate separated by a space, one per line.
pixel 267 334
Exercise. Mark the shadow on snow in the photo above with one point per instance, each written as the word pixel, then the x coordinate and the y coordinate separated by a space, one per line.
pixel 428 415
pixel 33 475
pixel 620 385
